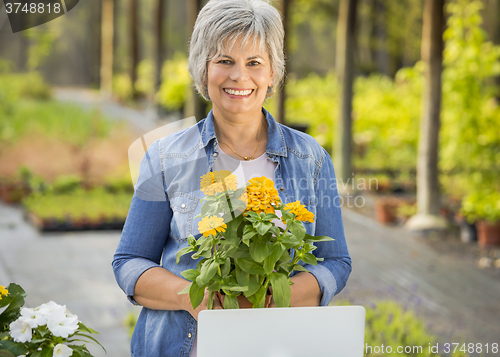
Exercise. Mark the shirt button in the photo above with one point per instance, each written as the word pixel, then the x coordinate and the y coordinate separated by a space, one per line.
pixel 282 189
pixel 190 335
pixel 183 205
pixel 215 154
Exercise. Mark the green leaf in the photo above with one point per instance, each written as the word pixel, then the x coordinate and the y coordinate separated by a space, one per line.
pixel 210 301
pixel 254 283
pixel 252 216
pixel 5 353
pixel 242 252
pixel 249 266
pixel 14 347
pixel 227 267
pixel 92 338
pixel 262 227
pixel 276 253
pixel 269 217
pixel 242 277
pixel 231 302
pixel 196 295
pixel 207 272
pixel 185 290
pixel 183 251
pixel 248 232
pixel 47 352
pixel 190 274
pixel 260 249
pixel 191 240
pixel 310 238
pixel 281 290
pixel 309 258
pixel 299 267
pixel 297 228
pixel 83 328
pixel 259 298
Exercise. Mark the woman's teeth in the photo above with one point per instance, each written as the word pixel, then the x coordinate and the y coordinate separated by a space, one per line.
pixel 238 92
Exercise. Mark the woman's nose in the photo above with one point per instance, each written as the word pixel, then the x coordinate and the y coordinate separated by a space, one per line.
pixel 239 72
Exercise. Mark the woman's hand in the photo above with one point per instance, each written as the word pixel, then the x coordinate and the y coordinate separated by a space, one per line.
pixel 203 306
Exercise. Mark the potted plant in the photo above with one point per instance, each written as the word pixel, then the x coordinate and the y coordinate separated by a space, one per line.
pixel 243 251
pixel 483 207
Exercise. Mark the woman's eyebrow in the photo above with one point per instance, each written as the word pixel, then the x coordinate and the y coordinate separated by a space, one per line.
pixel 248 59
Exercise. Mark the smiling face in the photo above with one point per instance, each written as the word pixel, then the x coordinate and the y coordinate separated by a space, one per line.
pixel 238 80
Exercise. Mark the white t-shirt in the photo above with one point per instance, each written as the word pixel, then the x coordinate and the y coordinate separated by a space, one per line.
pixel 244 171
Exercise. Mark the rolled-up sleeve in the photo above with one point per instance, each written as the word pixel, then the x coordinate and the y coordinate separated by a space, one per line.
pixel 333 272
pixel 147 225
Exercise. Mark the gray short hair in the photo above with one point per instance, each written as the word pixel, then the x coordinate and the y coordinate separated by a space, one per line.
pixel 226 20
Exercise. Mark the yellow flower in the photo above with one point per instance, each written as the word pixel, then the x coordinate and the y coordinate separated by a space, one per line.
pixel 211 225
pixel 219 181
pixel 300 211
pixel 261 195
pixel 3 291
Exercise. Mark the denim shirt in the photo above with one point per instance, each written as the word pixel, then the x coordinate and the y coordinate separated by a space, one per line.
pixel 167 198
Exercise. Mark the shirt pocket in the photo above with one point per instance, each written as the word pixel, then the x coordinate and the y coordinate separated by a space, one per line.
pixel 183 207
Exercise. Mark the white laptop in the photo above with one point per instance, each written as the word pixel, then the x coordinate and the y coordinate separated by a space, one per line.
pixel 282 332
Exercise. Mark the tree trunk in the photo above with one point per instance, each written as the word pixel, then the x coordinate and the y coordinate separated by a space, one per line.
pixel 345 72
pixel 281 115
pixel 382 57
pixel 134 44
pixel 195 104
pixel 107 47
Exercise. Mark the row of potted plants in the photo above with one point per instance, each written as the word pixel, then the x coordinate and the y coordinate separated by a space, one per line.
pixel 477 215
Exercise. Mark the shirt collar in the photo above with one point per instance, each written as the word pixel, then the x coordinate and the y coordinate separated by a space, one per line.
pixel 275 139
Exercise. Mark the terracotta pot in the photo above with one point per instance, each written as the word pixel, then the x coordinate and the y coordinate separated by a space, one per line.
pixel 488 234
pixel 385 211
pixel 243 301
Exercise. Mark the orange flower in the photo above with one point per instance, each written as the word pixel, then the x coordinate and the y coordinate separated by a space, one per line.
pixel 300 211
pixel 219 181
pixel 211 225
pixel 261 195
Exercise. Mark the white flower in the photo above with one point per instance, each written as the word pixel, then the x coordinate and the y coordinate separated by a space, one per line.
pixel 60 324
pixel 20 331
pixel 62 351
pixel 32 317
pixel 48 308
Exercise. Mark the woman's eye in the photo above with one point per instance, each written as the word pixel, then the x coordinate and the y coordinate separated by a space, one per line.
pixel 254 63
pixel 224 61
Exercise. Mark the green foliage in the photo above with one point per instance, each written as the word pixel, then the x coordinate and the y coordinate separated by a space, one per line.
pixel 388 324
pixel 122 87
pixel 470 142
pixel 41 43
pixel 145 83
pixel 94 204
pixel 130 322
pixel 385 117
pixel 482 204
pixel 20 116
pixel 11 305
pixel 175 83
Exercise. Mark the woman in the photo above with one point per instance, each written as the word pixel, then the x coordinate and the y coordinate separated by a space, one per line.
pixel 236 60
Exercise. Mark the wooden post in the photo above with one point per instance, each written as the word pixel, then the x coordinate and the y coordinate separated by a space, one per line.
pixel 345 73
pixel 428 201
pixel 195 105
pixel 134 44
pixel 285 11
pixel 107 47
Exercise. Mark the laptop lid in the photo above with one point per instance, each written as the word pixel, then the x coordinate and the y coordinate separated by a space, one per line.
pixel 282 332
